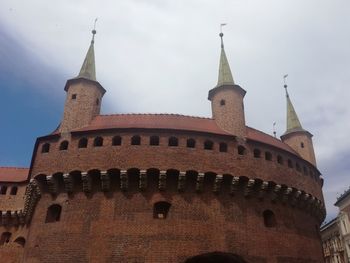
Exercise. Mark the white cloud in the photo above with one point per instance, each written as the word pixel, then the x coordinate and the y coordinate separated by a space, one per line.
pixel 162 56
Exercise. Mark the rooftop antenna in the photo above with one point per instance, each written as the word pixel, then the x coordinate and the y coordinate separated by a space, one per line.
pixel 274 129
pixel 94 31
pixel 222 34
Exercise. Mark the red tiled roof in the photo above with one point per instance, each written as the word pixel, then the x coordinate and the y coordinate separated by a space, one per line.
pixel 175 122
pixel 13 174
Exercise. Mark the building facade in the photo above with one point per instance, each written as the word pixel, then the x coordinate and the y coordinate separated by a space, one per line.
pixel 164 187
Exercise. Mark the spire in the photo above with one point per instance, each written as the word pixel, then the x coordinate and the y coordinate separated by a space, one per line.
pixel 225 75
pixel 293 123
pixel 87 70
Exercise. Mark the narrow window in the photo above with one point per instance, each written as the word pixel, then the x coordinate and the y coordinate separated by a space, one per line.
pixel 3 189
pixel 279 159
pixel 97 101
pixel 20 241
pixel 154 140
pixel 53 213
pixel 302 145
pixel 173 141
pixel 208 145
pixel 5 238
pixel 241 150
pixel 222 102
pixel 83 142
pixel 45 148
pixel 135 140
pixel 98 142
pixel 268 156
pixel 64 146
pixel 223 147
pixel 297 166
pixel 117 140
pixel 257 153
pixel 191 143
pixel 74 96
pixel 290 164
pixel 305 170
pixel 269 218
pixel 13 190
pixel 161 209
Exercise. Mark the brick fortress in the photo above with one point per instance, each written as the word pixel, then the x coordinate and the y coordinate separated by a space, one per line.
pixel 163 187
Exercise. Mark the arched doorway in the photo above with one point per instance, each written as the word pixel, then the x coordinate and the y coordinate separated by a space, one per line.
pixel 216 257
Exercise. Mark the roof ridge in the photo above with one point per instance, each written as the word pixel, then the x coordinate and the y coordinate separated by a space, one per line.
pixel 264 133
pixel 155 114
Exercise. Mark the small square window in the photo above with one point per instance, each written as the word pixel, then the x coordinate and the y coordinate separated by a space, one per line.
pixel 74 96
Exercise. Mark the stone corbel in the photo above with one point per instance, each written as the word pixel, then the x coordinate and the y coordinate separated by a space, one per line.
pixel 234 185
pixel 217 183
pixel 249 187
pixel 68 183
pixel 87 182
pixel 263 190
pixel 162 180
pixel 182 181
pixel 200 181
pixel 143 180
pixel 105 181
pixel 276 193
pixel 52 184
pixel 124 182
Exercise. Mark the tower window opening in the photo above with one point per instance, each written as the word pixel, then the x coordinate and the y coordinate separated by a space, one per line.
pixel 3 189
pixel 97 101
pixel 98 142
pixel 161 210
pixel 5 238
pixel 208 145
pixel 117 140
pixel 173 141
pixel 290 164
pixel 241 150
pixel 20 241
pixel 74 96
pixel 269 218
pixel 13 190
pixel 302 145
pixel 297 166
pixel 257 153
pixel 305 170
pixel 279 159
pixel 53 213
pixel 222 102
pixel 154 140
pixel 191 143
pixel 45 148
pixel 135 140
pixel 223 147
pixel 268 156
pixel 83 142
pixel 64 145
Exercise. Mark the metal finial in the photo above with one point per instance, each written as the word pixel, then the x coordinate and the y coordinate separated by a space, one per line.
pixel 285 83
pixel 94 31
pixel 274 129
pixel 222 34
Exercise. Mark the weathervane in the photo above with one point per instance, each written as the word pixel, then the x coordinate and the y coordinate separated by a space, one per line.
pixel 222 34
pixel 94 31
pixel 285 83
pixel 274 129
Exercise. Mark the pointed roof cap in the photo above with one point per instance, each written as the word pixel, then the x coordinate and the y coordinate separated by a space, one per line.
pixel 293 123
pixel 88 70
pixel 225 75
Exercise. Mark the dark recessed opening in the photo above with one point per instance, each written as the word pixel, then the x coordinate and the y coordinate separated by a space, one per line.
pixel 208 145
pixel 191 143
pixel 135 140
pixel 83 142
pixel 53 213
pixel 64 145
pixel 74 96
pixel 117 140
pixel 241 150
pixel 161 209
pixel 257 153
pixel 13 190
pixel 173 141
pixel 223 147
pixel 154 140
pixel 45 148
pixel 98 142
pixel 269 218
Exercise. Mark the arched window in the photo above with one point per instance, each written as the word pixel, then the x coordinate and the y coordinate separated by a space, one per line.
pixel 3 189
pixel 191 143
pixel 161 209
pixel 154 140
pixel 290 164
pixel 269 218
pixel 53 213
pixel 241 150
pixel 5 238
pixel 208 145
pixel 173 141
pixel 222 102
pixel 257 153
pixel 64 145
pixel 117 140
pixel 135 140
pixel 223 147
pixel 45 148
pixel 20 241
pixel 268 156
pixel 83 142
pixel 13 190
pixel 98 142
pixel 279 159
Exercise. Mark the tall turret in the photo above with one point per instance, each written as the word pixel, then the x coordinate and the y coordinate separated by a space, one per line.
pixel 227 99
pixel 84 94
pixel 295 136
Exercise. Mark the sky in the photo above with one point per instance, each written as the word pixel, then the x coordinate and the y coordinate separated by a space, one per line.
pixel 161 56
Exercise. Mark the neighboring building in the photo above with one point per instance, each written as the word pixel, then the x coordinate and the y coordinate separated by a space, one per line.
pixel 336 233
pixel 163 187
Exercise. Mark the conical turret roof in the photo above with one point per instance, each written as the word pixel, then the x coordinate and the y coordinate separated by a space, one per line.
pixel 88 70
pixel 225 75
pixel 293 123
